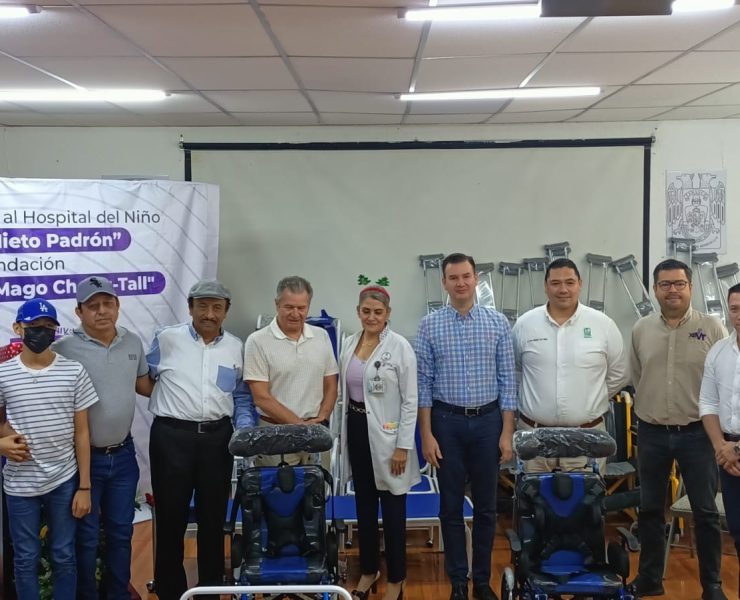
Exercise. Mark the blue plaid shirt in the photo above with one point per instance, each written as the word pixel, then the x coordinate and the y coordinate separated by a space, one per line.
pixel 466 360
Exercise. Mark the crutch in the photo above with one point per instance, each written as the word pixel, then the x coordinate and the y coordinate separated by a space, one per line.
pixel 727 275
pixel 624 267
pixel 558 250
pixel 597 262
pixel 508 269
pixel 484 289
pixel 536 265
pixel 432 267
pixel 711 291
pixel 681 246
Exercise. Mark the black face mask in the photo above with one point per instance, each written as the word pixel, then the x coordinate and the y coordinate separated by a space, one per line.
pixel 38 339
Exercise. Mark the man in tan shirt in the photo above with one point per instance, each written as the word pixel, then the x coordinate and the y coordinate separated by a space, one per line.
pixel 667 362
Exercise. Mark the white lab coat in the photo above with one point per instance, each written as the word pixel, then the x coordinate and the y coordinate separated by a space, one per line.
pixel 391 416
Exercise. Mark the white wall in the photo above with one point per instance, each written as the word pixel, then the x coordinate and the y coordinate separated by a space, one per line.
pixel 95 152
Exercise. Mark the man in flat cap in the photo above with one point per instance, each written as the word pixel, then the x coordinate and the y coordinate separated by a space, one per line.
pixel 114 359
pixel 198 397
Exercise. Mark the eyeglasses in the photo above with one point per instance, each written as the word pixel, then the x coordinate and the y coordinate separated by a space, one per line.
pixel 680 284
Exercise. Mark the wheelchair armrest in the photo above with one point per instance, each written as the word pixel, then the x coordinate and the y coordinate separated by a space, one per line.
pixel 629 540
pixel 514 541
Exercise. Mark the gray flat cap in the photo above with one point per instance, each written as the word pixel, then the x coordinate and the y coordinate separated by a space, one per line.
pixel 96 284
pixel 209 288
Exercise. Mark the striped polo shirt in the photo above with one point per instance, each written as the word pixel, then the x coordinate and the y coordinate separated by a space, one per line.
pixel 40 405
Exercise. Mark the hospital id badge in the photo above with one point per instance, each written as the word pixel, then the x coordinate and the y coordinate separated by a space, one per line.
pixel 376 386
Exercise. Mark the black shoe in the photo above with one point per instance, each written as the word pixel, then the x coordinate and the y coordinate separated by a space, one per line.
pixel 459 591
pixel 483 591
pixel 647 588
pixel 713 592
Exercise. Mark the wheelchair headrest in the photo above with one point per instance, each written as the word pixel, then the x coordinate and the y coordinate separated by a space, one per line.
pixel 280 439
pixel 563 442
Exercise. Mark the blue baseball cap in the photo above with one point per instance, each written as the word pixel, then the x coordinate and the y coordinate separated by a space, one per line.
pixel 36 308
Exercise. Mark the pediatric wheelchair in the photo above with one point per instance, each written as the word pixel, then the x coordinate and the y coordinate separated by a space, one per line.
pixel 284 538
pixel 558 546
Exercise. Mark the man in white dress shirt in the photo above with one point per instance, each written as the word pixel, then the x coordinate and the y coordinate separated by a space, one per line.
pixel 719 407
pixel 197 367
pixel 290 366
pixel 571 359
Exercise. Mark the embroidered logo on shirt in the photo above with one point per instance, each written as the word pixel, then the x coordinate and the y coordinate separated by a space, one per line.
pixel 698 335
pixel 587 332
pixel 133 357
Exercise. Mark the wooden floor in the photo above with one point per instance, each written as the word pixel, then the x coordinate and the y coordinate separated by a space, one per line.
pixel 426 576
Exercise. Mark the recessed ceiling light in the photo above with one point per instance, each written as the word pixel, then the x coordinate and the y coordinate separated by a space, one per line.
pixel 504 94
pixel 9 11
pixel 490 12
pixel 680 6
pixel 82 95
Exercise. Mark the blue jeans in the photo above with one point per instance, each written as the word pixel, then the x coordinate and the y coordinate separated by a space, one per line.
pixel 731 500
pixel 24 520
pixel 114 478
pixel 693 451
pixel 469 446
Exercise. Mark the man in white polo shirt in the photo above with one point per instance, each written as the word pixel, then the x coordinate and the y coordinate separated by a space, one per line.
pixel 719 407
pixel 571 359
pixel 290 366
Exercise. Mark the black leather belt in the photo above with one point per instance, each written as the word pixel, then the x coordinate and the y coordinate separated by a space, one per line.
pixel 677 428
pixel 196 426
pixel 357 407
pixel 731 437
pixel 114 448
pixel 468 411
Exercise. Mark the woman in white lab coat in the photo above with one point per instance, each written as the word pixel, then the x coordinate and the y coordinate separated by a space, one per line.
pixel 378 383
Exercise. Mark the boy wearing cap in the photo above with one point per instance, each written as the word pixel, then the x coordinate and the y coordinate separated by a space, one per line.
pixel 197 367
pixel 114 358
pixel 44 398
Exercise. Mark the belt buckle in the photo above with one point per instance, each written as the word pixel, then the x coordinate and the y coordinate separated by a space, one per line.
pixel 472 411
pixel 200 427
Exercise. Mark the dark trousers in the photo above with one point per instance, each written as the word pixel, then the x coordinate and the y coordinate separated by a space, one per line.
pixel 693 451
pixel 183 462
pixel 731 500
pixel 366 500
pixel 469 446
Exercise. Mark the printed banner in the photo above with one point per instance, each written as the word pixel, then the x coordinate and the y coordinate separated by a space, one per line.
pixel 152 239
pixel 696 209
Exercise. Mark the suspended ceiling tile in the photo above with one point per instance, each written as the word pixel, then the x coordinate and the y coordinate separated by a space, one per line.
pixel 16 75
pixel 332 118
pixel 343 102
pixel 474 73
pixel 344 32
pixel 619 114
pixel 655 33
pixel 190 30
pixel 546 116
pixel 390 75
pixel 456 107
pixel 178 102
pixel 491 38
pixel 701 112
pixel 727 96
pixel 76 120
pixel 48 34
pixel 657 95
pixel 353 3
pixel 269 73
pixel 111 72
pixel 548 104
pixel 729 40
pixel 608 68
pixel 262 101
pixel 445 119
pixel 700 67
pixel 195 120
pixel 277 119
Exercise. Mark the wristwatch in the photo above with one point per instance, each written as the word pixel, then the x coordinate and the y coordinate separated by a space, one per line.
pixel 736 448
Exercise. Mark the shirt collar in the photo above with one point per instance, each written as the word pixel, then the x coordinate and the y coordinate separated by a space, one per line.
pixel 307 332
pixel 572 319
pixel 80 331
pixel 687 315
pixel 472 313
pixel 196 336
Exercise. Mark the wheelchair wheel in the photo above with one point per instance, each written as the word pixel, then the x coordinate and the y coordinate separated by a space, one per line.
pixel 508 585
